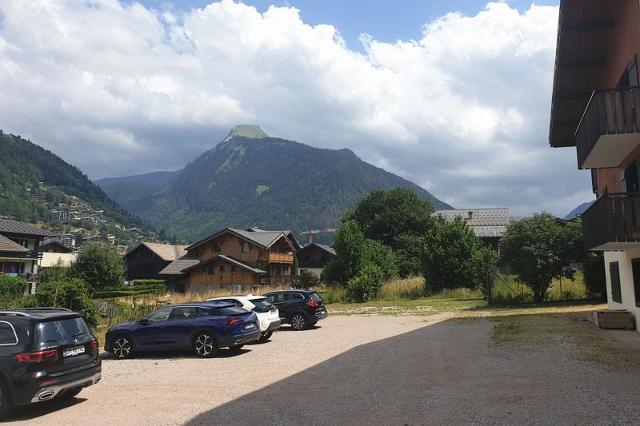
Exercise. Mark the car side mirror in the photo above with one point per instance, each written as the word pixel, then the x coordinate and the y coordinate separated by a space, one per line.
pixel 144 321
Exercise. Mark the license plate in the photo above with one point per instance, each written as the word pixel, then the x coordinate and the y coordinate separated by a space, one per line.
pixel 248 326
pixel 77 350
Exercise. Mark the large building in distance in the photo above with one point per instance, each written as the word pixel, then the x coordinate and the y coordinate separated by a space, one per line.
pixel 488 224
pixel 596 108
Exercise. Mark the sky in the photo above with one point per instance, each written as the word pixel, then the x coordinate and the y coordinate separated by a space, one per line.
pixel 453 95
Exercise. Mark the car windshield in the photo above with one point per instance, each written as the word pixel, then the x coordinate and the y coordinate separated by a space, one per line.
pixel 60 332
pixel 261 303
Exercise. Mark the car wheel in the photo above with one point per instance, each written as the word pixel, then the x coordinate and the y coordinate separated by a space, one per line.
pixel 121 347
pixel 236 347
pixel 5 402
pixel 71 393
pixel 204 345
pixel 299 321
pixel 265 336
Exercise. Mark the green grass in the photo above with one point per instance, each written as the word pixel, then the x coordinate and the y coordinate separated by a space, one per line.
pixel 422 306
pixel 568 334
pixel 507 290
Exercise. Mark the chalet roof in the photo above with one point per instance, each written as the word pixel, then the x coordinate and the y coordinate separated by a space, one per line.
pixel 324 247
pixel 8 246
pixel 490 222
pixel 229 260
pixel 262 238
pixel 55 241
pixel 178 266
pixel 8 226
pixel 167 252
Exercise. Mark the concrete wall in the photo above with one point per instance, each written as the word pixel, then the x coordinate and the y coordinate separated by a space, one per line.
pixel 626 280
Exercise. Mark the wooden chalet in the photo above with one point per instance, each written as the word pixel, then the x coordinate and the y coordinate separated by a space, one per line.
pixel 237 259
pixel 146 260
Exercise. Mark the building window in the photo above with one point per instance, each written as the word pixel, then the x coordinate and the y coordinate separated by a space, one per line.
pixel 216 247
pixel 614 272
pixel 221 268
pixel 635 265
pixel 210 269
pixel 245 247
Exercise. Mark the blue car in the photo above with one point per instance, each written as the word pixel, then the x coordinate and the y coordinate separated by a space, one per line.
pixel 202 327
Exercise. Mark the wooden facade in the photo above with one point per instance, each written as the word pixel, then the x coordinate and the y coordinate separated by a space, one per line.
pixel 240 259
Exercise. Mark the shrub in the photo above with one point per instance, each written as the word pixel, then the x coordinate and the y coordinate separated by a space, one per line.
pixel 307 279
pixel 11 288
pixel 366 285
pixel 454 257
pixel 71 294
pixel 99 266
pixel 538 249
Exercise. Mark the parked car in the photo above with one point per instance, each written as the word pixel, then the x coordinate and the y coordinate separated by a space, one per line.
pixel 267 313
pixel 300 308
pixel 202 327
pixel 45 353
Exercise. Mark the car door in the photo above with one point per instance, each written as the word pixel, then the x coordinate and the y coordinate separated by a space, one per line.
pixel 182 321
pixel 280 301
pixel 151 334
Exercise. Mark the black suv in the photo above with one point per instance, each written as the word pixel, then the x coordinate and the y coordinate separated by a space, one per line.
pixel 300 308
pixel 45 353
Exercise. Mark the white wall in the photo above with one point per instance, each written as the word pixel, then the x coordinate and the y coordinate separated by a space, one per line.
pixel 626 280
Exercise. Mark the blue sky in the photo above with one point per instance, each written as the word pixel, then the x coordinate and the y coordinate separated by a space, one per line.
pixel 384 20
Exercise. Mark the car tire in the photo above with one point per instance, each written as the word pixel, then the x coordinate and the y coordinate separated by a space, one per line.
pixel 204 345
pixel 6 406
pixel 236 347
pixel 121 347
pixel 265 336
pixel 299 321
pixel 71 393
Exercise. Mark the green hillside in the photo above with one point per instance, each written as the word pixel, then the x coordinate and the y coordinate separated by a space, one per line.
pixel 255 180
pixel 35 182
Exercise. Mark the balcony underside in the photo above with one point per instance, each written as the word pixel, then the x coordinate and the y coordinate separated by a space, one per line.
pixel 611 150
pixel 617 246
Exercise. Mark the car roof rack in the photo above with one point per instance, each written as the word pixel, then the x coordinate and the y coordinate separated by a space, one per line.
pixel 14 313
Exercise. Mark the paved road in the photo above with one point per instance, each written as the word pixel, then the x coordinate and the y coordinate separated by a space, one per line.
pixel 360 370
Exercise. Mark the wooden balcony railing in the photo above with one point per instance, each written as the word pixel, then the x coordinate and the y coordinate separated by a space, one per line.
pixel 279 258
pixel 608 112
pixel 613 218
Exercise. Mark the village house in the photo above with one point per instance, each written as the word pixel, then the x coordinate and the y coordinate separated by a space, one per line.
pixel 596 108
pixel 488 224
pixel 146 260
pixel 314 257
pixel 19 250
pixel 54 252
pixel 236 259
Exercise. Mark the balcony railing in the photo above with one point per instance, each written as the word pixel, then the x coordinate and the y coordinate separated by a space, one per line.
pixel 280 258
pixel 605 134
pixel 611 220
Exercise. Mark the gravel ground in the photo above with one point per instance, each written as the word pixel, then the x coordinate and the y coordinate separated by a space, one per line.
pixel 362 370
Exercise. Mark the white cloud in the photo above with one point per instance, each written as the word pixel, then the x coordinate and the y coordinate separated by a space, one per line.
pixel 463 111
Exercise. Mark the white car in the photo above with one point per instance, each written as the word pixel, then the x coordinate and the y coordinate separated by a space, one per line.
pixel 268 315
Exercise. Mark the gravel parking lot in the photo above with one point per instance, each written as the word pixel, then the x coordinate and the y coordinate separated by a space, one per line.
pixel 364 370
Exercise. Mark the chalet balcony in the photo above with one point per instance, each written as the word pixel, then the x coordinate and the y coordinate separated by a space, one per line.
pixel 613 222
pixel 280 258
pixel 609 129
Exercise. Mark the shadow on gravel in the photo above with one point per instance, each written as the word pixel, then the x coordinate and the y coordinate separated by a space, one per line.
pixel 288 328
pixel 449 372
pixel 33 411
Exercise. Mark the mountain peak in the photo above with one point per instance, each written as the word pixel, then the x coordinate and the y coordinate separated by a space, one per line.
pixel 246 131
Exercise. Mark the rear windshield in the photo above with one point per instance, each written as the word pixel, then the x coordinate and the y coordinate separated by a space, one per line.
pixel 316 297
pixel 261 303
pixel 230 311
pixel 61 332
